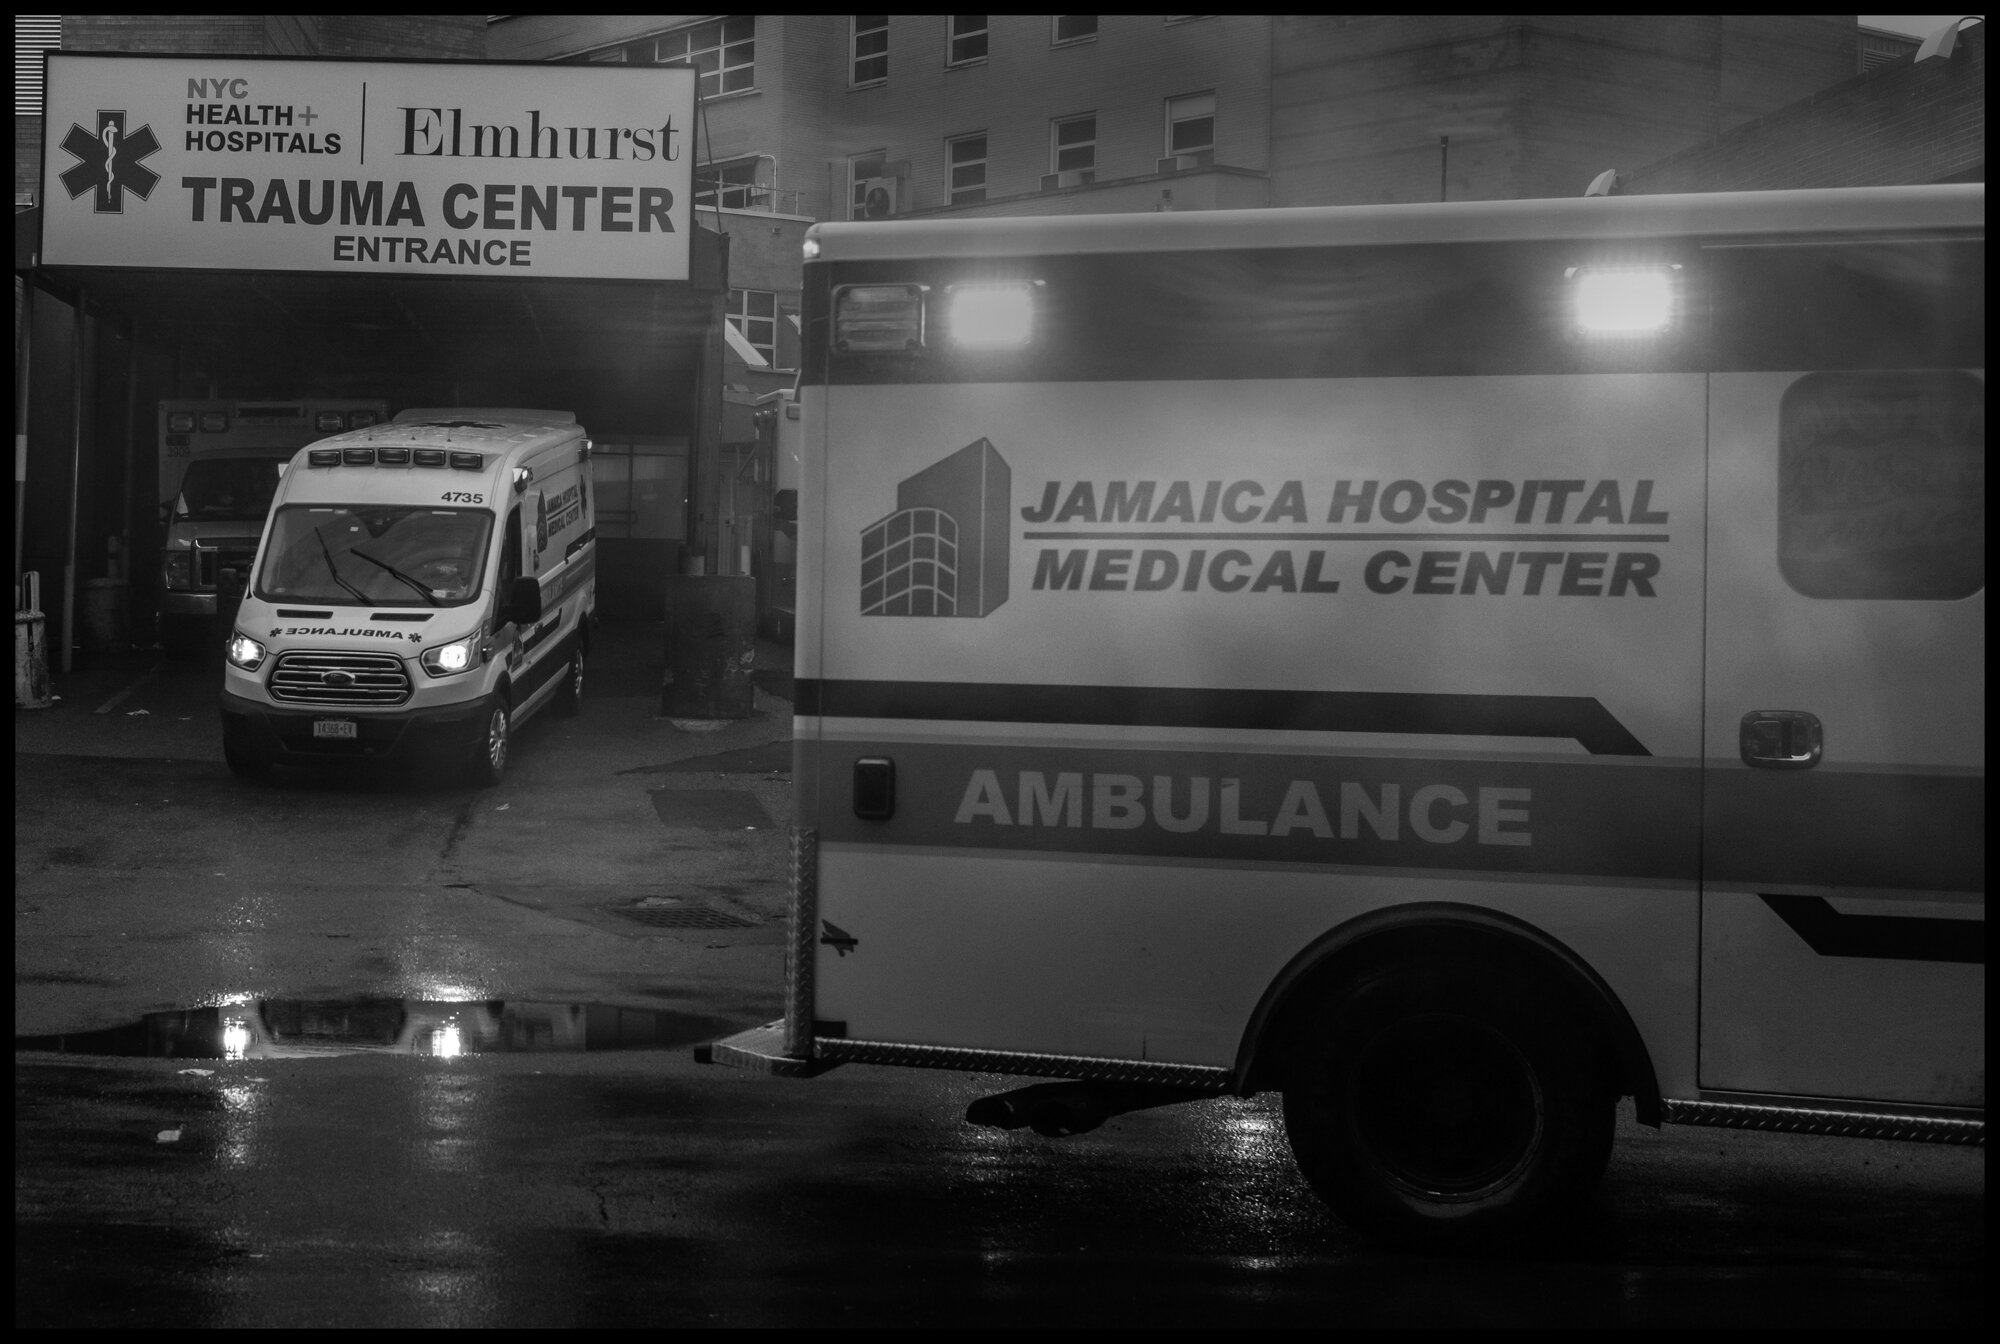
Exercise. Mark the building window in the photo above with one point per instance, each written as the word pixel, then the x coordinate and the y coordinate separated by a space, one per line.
pixel 754 314
pixel 724 51
pixel 1191 123
pixel 1073 28
pixel 966 169
pixel 862 170
pixel 33 35
pixel 871 49
pixel 968 39
pixel 729 186
pixel 1073 144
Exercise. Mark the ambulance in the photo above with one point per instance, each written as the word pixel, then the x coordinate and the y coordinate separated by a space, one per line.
pixel 1455 666
pixel 219 466
pixel 423 588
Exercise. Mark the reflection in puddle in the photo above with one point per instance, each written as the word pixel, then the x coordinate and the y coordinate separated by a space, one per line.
pixel 307 1028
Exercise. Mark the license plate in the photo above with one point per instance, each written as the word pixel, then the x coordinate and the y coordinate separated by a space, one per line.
pixel 333 728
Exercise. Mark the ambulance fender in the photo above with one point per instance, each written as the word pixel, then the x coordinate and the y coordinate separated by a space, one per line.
pixel 1433 929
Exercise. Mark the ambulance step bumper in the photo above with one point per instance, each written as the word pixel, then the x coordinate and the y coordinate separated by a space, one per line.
pixel 761 1050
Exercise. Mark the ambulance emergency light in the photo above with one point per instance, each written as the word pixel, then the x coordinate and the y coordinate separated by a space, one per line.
pixel 998 316
pixel 878 317
pixel 1623 300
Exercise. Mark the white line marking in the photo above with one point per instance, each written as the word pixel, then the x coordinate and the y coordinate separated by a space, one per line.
pixel 119 698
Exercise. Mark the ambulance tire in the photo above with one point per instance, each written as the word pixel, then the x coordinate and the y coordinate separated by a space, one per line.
pixel 488 765
pixel 569 697
pixel 1444 1103
pixel 245 763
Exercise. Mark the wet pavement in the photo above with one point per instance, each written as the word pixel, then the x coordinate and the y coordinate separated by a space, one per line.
pixel 352 1048
pixel 628 1189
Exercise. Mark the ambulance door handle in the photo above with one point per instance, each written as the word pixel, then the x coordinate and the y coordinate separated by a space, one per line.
pixel 874 788
pixel 1780 739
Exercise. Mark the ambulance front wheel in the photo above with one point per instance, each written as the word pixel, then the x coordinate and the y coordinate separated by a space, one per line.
pixel 569 699
pixel 489 757
pixel 1445 1103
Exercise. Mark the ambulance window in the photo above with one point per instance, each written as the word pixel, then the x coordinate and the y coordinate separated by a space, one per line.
pixel 510 554
pixel 1882 485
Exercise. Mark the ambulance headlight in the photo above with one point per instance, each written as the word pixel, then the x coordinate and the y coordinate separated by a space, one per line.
pixel 450 659
pixel 1627 301
pixel 177 570
pixel 992 316
pixel 245 652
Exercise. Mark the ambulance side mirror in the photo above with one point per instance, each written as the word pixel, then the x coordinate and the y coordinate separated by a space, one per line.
pixel 524 600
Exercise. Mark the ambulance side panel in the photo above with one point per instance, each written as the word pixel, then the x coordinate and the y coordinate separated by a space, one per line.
pixel 559 550
pixel 1333 709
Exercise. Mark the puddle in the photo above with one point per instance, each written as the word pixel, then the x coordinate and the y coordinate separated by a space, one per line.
pixel 309 1028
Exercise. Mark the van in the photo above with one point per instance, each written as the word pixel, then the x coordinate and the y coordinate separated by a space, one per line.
pixel 1453 666
pixel 422 589
pixel 219 466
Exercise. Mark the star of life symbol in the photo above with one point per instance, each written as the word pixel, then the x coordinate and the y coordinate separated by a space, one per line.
pixel 109 162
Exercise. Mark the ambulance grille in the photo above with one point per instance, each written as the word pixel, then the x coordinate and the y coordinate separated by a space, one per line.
pixel 340 679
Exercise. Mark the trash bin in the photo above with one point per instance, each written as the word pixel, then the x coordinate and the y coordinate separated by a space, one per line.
pixel 103 620
pixel 31 647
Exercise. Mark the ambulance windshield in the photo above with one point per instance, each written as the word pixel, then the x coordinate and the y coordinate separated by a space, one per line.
pixel 231 489
pixel 375 555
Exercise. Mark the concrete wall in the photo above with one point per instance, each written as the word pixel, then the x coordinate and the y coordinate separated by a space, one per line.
pixel 1901 123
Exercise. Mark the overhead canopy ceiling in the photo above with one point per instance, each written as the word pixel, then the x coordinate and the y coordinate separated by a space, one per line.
pixel 609 346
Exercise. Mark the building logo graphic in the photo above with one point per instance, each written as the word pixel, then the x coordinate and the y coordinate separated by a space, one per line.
pixel 943 552
pixel 108 163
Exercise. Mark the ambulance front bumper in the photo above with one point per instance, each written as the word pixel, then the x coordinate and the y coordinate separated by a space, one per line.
pixel 176 602
pixel 285 733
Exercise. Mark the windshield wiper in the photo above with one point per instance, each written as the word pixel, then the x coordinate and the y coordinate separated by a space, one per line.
pixel 334 569
pixel 422 591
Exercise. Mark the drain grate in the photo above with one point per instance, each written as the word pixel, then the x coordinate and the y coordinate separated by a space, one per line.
pixel 664 916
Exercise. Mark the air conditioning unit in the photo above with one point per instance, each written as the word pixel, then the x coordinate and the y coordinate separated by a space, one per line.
pixel 1182 163
pixel 881 197
pixel 1074 177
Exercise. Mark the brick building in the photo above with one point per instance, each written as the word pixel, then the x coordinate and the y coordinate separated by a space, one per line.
pixel 1899 121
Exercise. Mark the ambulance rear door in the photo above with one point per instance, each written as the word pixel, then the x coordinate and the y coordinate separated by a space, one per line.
pixel 1844 860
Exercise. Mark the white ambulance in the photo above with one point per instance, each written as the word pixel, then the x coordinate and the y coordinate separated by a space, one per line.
pixel 422 589
pixel 1456 665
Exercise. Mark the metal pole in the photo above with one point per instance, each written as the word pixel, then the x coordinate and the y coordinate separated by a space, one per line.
pixel 24 340
pixel 1444 157
pixel 131 527
pixel 82 347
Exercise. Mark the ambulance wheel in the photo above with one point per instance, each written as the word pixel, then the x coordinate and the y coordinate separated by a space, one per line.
pixel 1444 1103
pixel 245 763
pixel 569 698
pixel 489 759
